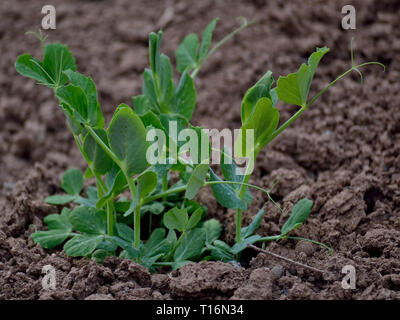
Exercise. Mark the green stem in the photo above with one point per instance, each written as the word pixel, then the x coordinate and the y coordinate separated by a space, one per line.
pixel 136 218
pixel 110 217
pixel 136 227
pixel 244 25
pixel 315 242
pixel 242 192
pixel 164 194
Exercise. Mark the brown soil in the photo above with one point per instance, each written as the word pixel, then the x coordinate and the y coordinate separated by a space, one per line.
pixel 343 153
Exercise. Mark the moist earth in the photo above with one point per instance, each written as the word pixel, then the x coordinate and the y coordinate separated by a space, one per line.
pixel 343 153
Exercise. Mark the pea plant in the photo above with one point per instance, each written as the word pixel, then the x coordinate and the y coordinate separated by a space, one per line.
pixel 132 197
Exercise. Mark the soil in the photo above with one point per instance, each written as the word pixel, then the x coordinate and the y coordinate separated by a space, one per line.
pixel 343 152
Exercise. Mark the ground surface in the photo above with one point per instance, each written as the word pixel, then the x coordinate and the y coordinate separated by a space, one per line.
pixel 343 153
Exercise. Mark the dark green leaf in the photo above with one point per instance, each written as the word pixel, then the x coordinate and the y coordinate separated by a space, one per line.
pixel 186 54
pixel 238 247
pixel 146 184
pixel 191 246
pixel 95 115
pixel 60 199
pixel 102 163
pixel 260 90
pixel 206 40
pixel 72 181
pixel 294 88
pixel 82 245
pixel 50 239
pixel 59 221
pixel 225 194
pixel 125 232
pixel 299 214
pixel 185 97
pixel 100 254
pixel 87 220
pixel 263 120
pixel 212 229
pixel 127 138
pixel 194 219
pixel 176 219
pixel 254 224
pixel 196 180
pixel 232 173
pixel 57 58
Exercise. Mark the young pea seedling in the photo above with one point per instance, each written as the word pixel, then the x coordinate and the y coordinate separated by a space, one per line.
pixel 105 222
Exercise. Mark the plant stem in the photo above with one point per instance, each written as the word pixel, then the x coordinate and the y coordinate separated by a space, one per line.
pixel 286 259
pixel 136 218
pixel 164 194
pixel 110 217
pixel 136 226
pixel 313 241
pixel 244 25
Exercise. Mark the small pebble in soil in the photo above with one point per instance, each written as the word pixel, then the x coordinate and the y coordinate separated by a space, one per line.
pixel 306 247
pixel 235 264
pixel 276 272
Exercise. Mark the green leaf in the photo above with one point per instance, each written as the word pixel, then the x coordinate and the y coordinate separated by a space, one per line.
pixel 238 247
pixel 127 138
pixel 74 99
pixel 147 182
pixel 30 67
pixel 155 40
pixel 260 90
pixel 156 237
pixel 82 245
pixel 254 224
pixel 191 246
pixel 185 97
pixel 72 182
pixel 95 115
pixel 149 91
pixel 263 120
pixel 87 220
pixel 212 229
pixel 131 252
pixel 50 239
pixel 176 218
pixel 225 194
pixel 194 219
pixel 102 163
pixel 100 254
pixel 196 180
pixel 295 87
pixel 141 104
pixel 220 251
pixel 157 246
pixel 57 58
pixel 155 208
pixel 125 232
pixel 186 54
pixel 206 40
pixel 299 214
pixel 165 82
pixel 60 199
pixel 59 221
pixel 231 173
